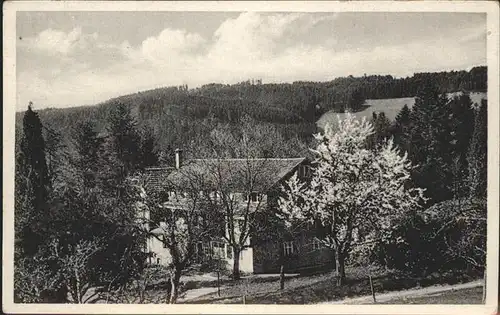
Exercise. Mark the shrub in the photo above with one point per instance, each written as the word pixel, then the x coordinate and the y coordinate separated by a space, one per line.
pixel 450 235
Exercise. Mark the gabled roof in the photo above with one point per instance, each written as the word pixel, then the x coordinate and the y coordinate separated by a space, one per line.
pixel 156 177
pixel 237 175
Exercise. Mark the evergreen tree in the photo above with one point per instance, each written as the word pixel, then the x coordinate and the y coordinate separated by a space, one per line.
pixel 430 143
pixel 149 154
pixel 55 153
pixel 122 147
pixel 32 191
pixel 381 126
pixel 355 100
pixel 88 146
pixel 477 154
pixel 339 107
pixel 401 128
pixel 462 125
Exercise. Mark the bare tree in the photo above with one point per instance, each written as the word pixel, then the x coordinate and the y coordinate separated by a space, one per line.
pixel 179 218
pixel 36 279
pixel 239 188
pixel 76 271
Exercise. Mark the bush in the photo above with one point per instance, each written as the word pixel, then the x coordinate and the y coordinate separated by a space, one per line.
pixel 448 236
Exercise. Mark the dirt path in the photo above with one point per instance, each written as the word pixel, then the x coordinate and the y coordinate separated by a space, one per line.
pixel 384 297
pixel 195 293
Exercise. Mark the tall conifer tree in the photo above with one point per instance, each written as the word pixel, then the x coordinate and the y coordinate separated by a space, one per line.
pixel 32 184
pixel 462 125
pixel 122 147
pixel 430 143
pixel 401 128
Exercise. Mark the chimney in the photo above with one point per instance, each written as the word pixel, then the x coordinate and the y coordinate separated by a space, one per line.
pixel 178 158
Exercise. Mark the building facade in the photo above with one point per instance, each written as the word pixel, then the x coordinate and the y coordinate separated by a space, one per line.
pixel 251 185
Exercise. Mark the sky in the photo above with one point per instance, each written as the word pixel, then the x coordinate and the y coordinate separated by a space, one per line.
pixel 82 58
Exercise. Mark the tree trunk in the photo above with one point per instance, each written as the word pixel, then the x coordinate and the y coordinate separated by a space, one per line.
pixel 282 276
pixel 340 268
pixel 174 290
pixel 236 264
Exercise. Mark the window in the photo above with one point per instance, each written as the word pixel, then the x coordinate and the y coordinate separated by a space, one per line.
pixel 207 251
pixel 254 197
pixel 316 244
pixel 304 171
pixel 203 250
pixel 219 249
pixel 289 248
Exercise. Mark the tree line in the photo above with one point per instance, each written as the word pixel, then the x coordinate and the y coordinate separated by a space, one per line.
pixel 178 116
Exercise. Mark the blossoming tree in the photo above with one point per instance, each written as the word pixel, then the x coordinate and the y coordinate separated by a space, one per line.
pixel 355 194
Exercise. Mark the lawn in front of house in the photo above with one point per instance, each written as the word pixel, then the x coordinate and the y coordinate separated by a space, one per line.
pixel 322 287
pixel 463 296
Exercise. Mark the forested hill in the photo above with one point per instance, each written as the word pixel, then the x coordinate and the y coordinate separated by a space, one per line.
pixel 181 117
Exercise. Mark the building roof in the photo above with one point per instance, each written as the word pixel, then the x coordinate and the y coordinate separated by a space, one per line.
pixel 156 177
pixel 237 175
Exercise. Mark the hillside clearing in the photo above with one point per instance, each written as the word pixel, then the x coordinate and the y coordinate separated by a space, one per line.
pixel 390 106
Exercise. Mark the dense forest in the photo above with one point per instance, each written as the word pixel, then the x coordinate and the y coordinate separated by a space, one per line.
pixel 183 117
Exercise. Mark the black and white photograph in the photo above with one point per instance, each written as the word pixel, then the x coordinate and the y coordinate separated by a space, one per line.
pixel 225 155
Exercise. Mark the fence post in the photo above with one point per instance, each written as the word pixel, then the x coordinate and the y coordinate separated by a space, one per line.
pixel 244 299
pixel 282 277
pixel 218 282
pixel 371 287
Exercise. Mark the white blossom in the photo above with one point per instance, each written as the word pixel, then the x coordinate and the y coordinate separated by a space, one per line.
pixel 352 187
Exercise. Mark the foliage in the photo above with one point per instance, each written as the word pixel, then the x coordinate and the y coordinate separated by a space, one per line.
pixel 462 229
pixel 79 210
pixel 355 100
pixel 180 116
pixel 75 269
pixel 122 145
pixel 449 236
pixel 381 130
pixel 355 194
pixel 148 151
pixel 33 186
pixel 430 143
pixel 477 154
pixel 34 281
pixel 141 291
